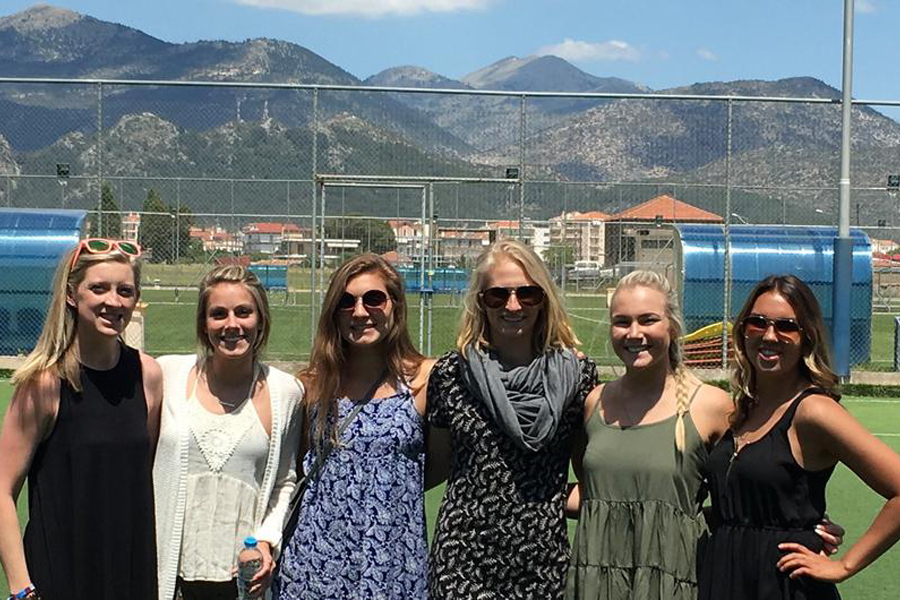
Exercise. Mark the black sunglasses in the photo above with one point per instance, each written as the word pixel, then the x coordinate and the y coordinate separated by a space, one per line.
pixel 527 295
pixel 757 325
pixel 372 300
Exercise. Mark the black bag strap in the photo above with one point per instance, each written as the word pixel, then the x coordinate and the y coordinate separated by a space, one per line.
pixel 328 446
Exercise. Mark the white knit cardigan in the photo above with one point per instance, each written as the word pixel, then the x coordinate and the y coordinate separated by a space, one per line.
pixel 171 465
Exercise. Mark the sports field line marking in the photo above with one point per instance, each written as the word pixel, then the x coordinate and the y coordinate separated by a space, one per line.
pixel 886 434
pixel 871 401
pixel 598 322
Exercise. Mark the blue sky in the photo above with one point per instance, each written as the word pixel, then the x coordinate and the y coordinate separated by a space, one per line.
pixel 660 43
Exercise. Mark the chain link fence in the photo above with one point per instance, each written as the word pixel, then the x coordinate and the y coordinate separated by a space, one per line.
pixel 292 179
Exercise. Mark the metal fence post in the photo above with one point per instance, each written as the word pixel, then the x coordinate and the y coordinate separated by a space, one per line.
pixel 726 282
pixel 896 343
pixel 100 231
pixel 521 165
pixel 312 219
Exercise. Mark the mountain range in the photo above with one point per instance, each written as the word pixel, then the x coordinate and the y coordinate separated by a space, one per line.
pixel 199 131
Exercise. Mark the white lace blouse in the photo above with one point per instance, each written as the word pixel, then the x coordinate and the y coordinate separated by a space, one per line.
pixel 227 456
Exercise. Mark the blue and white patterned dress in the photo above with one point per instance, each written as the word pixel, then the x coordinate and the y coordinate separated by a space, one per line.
pixel 361 529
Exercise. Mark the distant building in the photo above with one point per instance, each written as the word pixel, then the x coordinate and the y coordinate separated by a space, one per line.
pixel 642 236
pixel 408 235
pixel 584 232
pixel 462 244
pixel 216 239
pixel 266 238
pixel 131 227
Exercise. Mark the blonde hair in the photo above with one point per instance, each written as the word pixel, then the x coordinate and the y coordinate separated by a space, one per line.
pixel 55 351
pixel 326 374
pixel 552 329
pixel 654 281
pixel 816 363
pixel 236 274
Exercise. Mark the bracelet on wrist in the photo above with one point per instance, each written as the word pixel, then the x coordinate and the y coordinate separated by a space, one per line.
pixel 29 592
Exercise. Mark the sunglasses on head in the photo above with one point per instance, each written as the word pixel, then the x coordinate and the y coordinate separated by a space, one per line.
pixel 757 325
pixel 372 300
pixel 104 246
pixel 527 295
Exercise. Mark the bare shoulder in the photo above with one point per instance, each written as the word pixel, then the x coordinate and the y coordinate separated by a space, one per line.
pixel 710 411
pixel 593 398
pixel 713 401
pixel 36 401
pixel 150 369
pixel 422 372
pixel 40 392
pixel 820 411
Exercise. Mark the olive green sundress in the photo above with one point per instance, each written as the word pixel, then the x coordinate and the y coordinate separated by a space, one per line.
pixel 640 518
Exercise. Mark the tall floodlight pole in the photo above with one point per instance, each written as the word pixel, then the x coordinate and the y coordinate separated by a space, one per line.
pixel 843 243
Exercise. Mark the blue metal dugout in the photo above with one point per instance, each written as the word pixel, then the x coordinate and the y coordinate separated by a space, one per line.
pixel 31 244
pixel 761 250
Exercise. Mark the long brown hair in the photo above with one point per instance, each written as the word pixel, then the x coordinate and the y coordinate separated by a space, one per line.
pixel 552 329
pixel 815 365
pixel 55 350
pixel 326 372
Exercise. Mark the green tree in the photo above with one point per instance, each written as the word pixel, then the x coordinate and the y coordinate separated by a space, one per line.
pixel 156 233
pixel 108 223
pixel 374 235
pixel 183 224
pixel 559 257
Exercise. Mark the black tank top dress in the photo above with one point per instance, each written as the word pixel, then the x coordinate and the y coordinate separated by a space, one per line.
pixel 91 533
pixel 761 498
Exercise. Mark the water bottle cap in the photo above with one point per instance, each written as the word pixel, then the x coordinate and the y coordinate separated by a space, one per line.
pixel 249 541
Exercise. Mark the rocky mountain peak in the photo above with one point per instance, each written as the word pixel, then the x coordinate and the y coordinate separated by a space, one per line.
pixel 40 17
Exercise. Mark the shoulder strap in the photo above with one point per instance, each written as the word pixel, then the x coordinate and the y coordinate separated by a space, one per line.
pixel 328 446
pixel 792 409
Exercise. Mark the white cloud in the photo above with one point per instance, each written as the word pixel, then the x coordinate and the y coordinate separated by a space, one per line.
pixel 368 8
pixel 706 54
pixel 866 7
pixel 579 51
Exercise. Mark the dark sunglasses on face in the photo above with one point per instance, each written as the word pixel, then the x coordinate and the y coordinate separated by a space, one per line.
pixel 757 325
pixel 527 295
pixel 372 300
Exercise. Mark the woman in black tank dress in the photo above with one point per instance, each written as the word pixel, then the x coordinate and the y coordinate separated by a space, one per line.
pixel 768 474
pixel 82 427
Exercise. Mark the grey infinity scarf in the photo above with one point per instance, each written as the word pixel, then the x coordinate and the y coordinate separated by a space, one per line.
pixel 526 402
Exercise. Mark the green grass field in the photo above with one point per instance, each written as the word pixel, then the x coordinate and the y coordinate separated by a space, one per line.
pixel 850 502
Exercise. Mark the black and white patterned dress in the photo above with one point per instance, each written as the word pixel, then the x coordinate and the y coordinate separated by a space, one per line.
pixel 501 531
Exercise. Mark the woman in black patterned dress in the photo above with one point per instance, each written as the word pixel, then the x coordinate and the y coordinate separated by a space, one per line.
pixel 510 397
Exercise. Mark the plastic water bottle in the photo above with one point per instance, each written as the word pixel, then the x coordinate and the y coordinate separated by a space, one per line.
pixel 249 562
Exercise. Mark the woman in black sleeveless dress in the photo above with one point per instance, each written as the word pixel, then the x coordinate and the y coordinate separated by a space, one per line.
pixel 82 428
pixel 768 474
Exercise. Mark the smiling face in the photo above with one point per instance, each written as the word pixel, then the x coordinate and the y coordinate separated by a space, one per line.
pixel 512 323
pixel 364 325
pixel 640 331
pixel 232 320
pixel 105 298
pixel 770 351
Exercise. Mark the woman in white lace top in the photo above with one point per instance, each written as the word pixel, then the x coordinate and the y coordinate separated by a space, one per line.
pixel 230 430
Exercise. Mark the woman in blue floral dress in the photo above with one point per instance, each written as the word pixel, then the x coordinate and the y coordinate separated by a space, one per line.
pixel 361 527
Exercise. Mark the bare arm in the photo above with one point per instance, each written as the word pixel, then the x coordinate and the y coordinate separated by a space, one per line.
pixel 29 419
pixel 826 433
pixel 579 443
pixel 153 394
